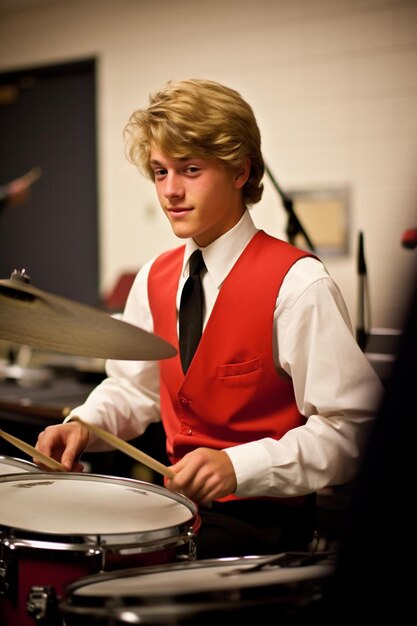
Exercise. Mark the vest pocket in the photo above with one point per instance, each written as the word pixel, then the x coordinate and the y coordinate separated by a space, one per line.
pixel 238 369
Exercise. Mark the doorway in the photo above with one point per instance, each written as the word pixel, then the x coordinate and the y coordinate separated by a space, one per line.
pixel 48 121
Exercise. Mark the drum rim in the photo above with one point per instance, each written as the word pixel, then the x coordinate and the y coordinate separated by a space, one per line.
pixel 103 576
pixel 189 600
pixel 152 569
pixel 17 462
pixel 121 542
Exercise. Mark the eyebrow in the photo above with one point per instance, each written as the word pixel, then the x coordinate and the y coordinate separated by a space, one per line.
pixel 180 160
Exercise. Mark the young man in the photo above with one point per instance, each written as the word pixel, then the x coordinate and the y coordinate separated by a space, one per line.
pixel 278 398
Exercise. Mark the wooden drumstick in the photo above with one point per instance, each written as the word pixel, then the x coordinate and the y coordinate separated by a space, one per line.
pixel 28 449
pixel 32 175
pixel 127 448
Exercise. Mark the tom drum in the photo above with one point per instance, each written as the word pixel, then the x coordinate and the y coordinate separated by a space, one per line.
pixel 283 589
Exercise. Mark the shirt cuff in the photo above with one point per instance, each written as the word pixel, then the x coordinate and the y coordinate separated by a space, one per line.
pixel 252 467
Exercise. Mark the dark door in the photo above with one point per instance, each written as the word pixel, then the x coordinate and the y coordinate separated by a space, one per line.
pixel 48 120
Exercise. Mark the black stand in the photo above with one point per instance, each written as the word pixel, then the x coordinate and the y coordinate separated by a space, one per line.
pixel 361 332
pixel 294 226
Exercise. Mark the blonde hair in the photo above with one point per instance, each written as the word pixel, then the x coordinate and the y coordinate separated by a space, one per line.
pixel 198 118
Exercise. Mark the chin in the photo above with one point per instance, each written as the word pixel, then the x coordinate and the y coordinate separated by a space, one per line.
pixel 182 233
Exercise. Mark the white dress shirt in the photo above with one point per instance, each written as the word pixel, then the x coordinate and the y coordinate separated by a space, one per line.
pixel 335 386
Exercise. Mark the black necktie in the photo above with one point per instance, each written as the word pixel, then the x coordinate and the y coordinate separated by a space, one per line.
pixel 191 311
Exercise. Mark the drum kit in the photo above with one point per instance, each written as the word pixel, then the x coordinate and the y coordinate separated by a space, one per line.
pixel 81 548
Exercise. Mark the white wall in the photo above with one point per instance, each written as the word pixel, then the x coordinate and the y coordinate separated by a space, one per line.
pixel 333 84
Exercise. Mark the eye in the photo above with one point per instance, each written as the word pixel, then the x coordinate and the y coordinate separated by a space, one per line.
pixel 159 172
pixel 192 169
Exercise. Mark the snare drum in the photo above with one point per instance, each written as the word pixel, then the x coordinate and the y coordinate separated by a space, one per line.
pixel 58 527
pixel 203 593
pixel 12 465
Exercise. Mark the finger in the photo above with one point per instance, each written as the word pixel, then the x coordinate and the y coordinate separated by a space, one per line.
pixel 195 489
pixel 205 490
pixel 52 448
pixel 77 466
pixel 44 442
pixel 186 471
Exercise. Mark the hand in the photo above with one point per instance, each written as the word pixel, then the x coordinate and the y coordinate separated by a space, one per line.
pixel 18 192
pixel 64 443
pixel 203 475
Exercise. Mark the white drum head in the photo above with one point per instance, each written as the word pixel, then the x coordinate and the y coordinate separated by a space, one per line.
pixel 197 577
pixel 79 504
pixel 12 465
pixel 200 593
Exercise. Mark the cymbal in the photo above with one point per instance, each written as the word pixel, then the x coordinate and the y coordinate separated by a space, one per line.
pixel 33 317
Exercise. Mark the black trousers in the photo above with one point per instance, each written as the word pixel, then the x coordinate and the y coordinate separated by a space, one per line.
pixel 255 527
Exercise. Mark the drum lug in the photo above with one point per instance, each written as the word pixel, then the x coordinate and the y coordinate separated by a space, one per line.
pixel 192 552
pixel 42 605
pixel 8 577
pixel 190 555
pixel 3 574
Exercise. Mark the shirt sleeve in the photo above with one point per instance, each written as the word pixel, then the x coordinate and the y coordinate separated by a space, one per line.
pixel 335 386
pixel 127 400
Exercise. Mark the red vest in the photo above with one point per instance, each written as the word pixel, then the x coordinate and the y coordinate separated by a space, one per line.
pixel 232 393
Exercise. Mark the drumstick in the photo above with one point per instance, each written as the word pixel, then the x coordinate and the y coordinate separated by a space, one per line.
pixel 28 449
pixel 32 175
pixel 127 448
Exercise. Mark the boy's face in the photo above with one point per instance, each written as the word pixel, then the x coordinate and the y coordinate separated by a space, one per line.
pixel 201 198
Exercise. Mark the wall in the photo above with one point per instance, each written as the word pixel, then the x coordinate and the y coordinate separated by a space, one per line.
pixel 333 84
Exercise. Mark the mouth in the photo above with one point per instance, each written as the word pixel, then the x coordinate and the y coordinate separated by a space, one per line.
pixel 177 212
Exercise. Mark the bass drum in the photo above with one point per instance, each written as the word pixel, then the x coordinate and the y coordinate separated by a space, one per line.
pixel 13 465
pixel 284 589
pixel 58 527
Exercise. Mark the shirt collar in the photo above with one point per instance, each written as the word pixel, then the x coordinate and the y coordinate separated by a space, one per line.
pixel 222 254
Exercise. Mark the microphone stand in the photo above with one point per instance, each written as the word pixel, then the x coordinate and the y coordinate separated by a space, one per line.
pixel 294 226
pixel 361 333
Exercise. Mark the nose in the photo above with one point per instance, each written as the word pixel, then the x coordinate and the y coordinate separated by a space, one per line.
pixel 173 186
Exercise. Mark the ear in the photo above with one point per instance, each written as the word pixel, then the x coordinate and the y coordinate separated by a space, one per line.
pixel 242 173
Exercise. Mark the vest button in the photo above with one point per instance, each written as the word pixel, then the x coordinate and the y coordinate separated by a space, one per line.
pixel 185 430
pixel 183 400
